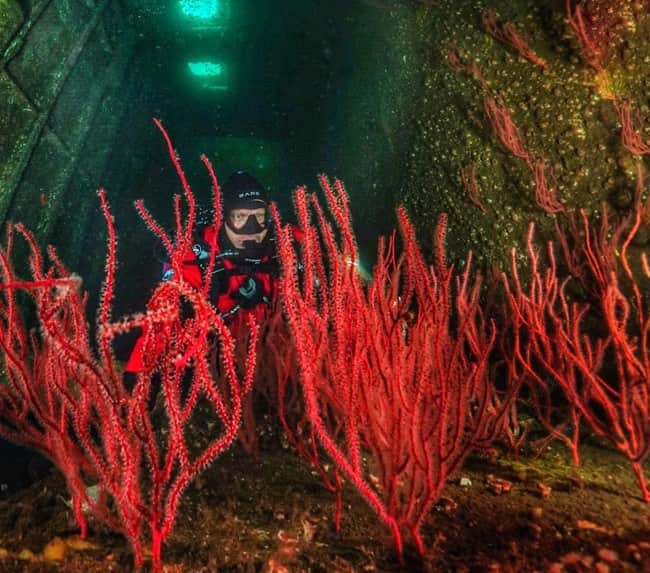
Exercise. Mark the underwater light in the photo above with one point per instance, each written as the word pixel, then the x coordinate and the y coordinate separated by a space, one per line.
pixel 206 69
pixel 209 75
pixel 201 9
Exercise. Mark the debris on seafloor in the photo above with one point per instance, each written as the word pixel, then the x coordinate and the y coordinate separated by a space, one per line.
pixel 498 485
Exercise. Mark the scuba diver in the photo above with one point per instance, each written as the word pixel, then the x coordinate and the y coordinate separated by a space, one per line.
pixel 246 270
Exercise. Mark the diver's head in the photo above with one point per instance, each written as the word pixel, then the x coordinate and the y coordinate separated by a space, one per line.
pixel 245 209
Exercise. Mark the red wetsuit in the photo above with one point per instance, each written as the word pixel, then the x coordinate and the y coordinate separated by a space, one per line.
pixel 243 283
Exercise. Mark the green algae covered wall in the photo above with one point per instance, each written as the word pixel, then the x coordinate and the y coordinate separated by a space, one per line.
pixel 565 115
pixel 61 62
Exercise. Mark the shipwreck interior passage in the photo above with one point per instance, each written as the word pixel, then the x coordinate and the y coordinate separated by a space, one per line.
pixel 285 90
pixel 473 395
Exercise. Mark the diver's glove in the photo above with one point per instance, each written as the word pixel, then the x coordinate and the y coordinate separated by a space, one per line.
pixel 250 293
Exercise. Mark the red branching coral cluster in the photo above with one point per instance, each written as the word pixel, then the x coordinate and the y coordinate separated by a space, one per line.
pixel 395 371
pixel 66 400
pixel 598 26
pixel 388 385
pixel 506 130
pixel 507 33
pixel 604 378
